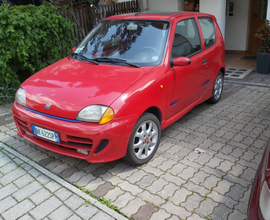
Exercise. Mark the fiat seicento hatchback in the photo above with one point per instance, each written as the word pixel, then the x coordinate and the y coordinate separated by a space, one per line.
pixel 132 76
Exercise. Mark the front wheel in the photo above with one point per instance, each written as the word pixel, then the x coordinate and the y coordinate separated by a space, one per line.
pixel 217 89
pixel 143 141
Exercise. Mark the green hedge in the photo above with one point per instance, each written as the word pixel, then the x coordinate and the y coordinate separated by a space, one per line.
pixel 31 38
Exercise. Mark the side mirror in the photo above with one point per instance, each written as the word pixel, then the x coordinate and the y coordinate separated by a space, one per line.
pixel 72 50
pixel 181 61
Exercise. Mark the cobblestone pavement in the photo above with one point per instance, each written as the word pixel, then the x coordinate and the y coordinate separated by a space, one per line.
pixel 28 191
pixel 203 168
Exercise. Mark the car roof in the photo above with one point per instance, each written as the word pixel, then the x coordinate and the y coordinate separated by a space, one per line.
pixel 155 15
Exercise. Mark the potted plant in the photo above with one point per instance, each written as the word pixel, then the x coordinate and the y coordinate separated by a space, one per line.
pixel 189 5
pixel 263 56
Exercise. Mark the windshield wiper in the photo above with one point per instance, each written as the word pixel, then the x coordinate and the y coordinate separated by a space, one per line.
pixel 115 60
pixel 88 59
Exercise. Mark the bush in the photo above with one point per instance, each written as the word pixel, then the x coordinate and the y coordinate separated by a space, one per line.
pixel 31 38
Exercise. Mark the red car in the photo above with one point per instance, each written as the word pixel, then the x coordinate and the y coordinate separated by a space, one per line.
pixel 132 76
pixel 259 203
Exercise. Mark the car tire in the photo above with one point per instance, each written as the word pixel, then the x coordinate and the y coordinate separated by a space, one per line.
pixel 144 140
pixel 217 89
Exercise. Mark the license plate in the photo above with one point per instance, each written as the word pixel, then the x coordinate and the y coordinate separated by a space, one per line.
pixel 45 133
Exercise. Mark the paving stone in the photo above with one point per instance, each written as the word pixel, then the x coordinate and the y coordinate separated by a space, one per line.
pixel 7 203
pixel 103 189
pixel 187 173
pixel 223 186
pixel 193 201
pixel 161 214
pixel 222 199
pixel 63 194
pixel 61 213
pixel 86 212
pixel 145 212
pixel 60 169
pixel 242 207
pixel 236 215
pixel 15 174
pixel 43 179
pixel 157 161
pixel 210 182
pixel 34 173
pixel 76 176
pixel 93 185
pixel 168 190
pixel 177 169
pixel 175 179
pixel 120 168
pixel 74 202
pixel 53 186
pixel 236 192
pixel 146 181
pixel 133 189
pixel 221 212
pixel 155 171
pixel 199 177
pixel 45 208
pixel 27 191
pixel 26 217
pixel 74 217
pixel 132 207
pixel 7 168
pixel 136 176
pixel 102 215
pixel 206 207
pixel 195 217
pixel 122 200
pixel 85 180
pixel 176 210
pixel 180 196
pixel 44 162
pixel 166 165
pixel 248 174
pixel 196 188
pixel 7 190
pixel 68 172
pixel 157 185
pixel 126 172
pixel 24 180
pixel 40 196
pixel 237 170
pixel 149 197
pixel 113 194
pixel 18 210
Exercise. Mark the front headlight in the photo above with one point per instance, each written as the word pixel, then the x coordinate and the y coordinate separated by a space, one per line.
pixel 20 97
pixel 96 113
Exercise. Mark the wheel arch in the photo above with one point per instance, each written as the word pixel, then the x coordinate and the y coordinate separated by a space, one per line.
pixel 222 70
pixel 155 111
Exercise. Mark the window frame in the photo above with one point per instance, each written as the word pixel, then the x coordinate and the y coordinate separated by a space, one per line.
pixel 199 36
pixel 202 17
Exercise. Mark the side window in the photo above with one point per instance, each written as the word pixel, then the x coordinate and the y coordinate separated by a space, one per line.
pixel 208 30
pixel 186 39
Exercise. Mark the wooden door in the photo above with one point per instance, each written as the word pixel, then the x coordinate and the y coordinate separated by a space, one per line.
pixel 258 10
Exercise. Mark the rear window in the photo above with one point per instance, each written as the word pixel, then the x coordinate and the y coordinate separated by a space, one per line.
pixel 208 30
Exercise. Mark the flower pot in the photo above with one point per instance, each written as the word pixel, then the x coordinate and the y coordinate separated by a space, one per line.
pixel 263 63
pixel 189 6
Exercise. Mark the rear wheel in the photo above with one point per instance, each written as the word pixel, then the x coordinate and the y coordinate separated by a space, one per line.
pixel 143 141
pixel 217 89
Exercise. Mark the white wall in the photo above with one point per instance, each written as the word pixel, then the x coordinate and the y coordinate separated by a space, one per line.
pixel 162 5
pixel 216 8
pixel 237 26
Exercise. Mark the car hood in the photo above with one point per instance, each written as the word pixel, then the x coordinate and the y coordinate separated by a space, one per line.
pixel 70 85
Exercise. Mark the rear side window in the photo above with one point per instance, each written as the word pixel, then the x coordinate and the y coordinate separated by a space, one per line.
pixel 208 30
pixel 186 39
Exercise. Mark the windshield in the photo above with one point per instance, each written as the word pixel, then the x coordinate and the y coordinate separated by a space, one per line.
pixel 136 42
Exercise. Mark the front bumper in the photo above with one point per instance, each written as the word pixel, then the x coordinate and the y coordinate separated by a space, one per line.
pixel 104 143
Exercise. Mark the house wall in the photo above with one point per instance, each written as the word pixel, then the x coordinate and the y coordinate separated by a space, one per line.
pixel 161 5
pixel 237 26
pixel 216 8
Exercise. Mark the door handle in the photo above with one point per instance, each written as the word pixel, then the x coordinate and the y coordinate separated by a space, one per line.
pixel 204 61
